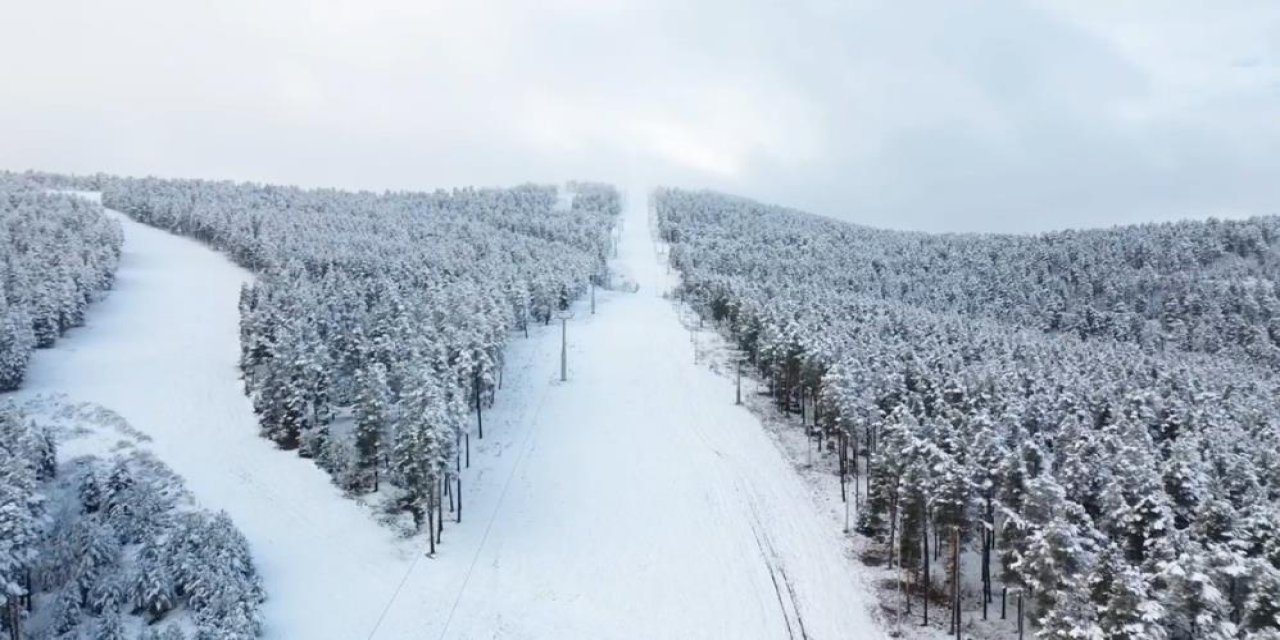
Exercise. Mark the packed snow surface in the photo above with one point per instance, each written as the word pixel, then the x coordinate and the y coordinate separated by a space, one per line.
pixel 634 500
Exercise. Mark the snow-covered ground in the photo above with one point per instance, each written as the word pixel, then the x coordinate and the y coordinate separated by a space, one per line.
pixel 160 351
pixel 636 501
pixel 633 501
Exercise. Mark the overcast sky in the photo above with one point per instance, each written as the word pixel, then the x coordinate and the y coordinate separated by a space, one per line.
pixel 968 115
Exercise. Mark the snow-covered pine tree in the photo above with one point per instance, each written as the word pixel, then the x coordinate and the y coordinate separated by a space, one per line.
pixel 415 446
pixel 372 416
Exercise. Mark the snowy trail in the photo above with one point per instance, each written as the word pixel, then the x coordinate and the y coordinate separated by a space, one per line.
pixel 161 351
pixel 633 501
pixel 636 501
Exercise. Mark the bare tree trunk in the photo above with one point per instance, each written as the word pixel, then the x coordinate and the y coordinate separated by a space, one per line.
pixel 924 539
pixel 893 524
pixel 431 523
pixel 844 472
pixel 955 579
pixel 853 460
pixel 15 621
pixel 479 411
pixel 986 571
pixel 440 510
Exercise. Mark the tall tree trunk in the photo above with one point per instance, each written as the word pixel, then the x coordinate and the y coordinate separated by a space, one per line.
pixel 440 510
pixel 893 524
pixel 15 620
pixel 924 539
pixel 431 522
pixel 986 572
pixel 479 411
pixel 955 579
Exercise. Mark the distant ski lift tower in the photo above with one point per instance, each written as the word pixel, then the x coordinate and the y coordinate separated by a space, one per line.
pixel 564 344
pixel 739 358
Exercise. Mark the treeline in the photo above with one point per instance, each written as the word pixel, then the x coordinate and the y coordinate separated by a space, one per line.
pixel 58 252
pixel 113 550
pixel 1127 482
pixel 377 321
pixel 1211 286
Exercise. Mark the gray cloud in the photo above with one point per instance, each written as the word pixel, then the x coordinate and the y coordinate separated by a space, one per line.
pixel 992 115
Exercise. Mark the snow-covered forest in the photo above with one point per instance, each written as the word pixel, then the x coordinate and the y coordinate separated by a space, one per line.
pixel 57 254
pixel 372 339
pixel 113 548
pixel 1088 418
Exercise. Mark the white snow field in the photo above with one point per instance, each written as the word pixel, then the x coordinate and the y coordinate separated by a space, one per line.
pixel 639 502
pixel 633 501
pixel 161 351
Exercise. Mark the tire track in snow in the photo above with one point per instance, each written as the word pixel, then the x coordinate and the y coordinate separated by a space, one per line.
pixel 525 448
pixel 768 553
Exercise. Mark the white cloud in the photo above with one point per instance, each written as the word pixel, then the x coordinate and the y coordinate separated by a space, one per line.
pixel 993 115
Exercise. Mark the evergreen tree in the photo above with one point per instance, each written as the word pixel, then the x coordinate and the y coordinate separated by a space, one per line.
pixel 372 417
pixel 109 627
pixel 1129 611
pixel 153 589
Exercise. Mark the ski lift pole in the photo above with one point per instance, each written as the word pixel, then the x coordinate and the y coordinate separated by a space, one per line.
pixel 564 344
pixel 738 397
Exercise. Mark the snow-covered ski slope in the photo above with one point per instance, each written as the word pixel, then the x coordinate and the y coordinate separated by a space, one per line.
pixel 633 501
pixel 161 350
pixel 639 502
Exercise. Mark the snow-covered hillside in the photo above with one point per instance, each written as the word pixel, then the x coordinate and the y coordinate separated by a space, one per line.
pixel 161 351
pixel 634 500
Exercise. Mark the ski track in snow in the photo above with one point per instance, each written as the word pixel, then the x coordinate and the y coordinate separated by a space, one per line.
pixel 633 501
pixel 641 503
